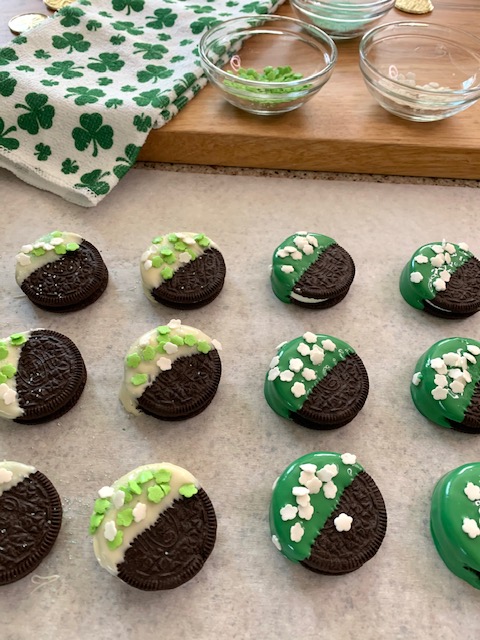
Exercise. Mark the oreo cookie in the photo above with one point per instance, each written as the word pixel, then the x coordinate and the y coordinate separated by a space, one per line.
pixel 327 513
pixel 443 279
pixel 172 372
pixel 154 528
pixel 445 386
pixel 317 381
pixel 455 521
pixel 42 376
pixel 61 272
pixel 30 519
pixel 182 270
pixel 311 270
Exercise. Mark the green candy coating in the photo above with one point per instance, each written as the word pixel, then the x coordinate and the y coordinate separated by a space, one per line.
pixel 450 506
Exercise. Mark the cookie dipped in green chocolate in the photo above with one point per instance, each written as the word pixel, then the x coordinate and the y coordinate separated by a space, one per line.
pixel 327 513
pixel 311 270
pixel 455 521
pixel 443 279
pixel 445 386
pixel 317 381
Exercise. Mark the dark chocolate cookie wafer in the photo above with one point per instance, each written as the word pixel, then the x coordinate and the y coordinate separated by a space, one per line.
pixel 154 528
pixel 461 297
pixel 42 376
pixel 311 270
pixel 182 270
pixel 61 272
pixel 317 381
pixel 327 513
pixel 171 372
pixel 30 519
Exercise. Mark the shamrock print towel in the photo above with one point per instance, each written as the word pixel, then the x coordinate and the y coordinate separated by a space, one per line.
pixel 80 93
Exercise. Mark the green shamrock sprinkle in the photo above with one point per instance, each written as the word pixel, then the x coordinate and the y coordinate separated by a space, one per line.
pixel 188 490
pixel 8 370
pixel 166 252
pixel 116 542
pixel 169 259
pixel 204 242
pixel 180 246
pixel 192 254
pixel 157 262
pixel 145 476
pixel 38 252
pixel 101 505
pixel 128 495
pixel 155 493
pixel 148 353
pixel 60 249
pixel 3 351
pixel 163 330
pixel 203 346
pixel 167 273
pixel 133 360
pixel 2 378
pixel 95 522
pixel 139 379
pixel 161 346
pixel 134 487
pixel 165 488
pixel 57 234
pixel 173 238
pixel 17 339
pixel 190 340
pixel 177 340
pixel 199 236
pixel 157 240
pixel 72 246
pixel 162 475
pixel 125 517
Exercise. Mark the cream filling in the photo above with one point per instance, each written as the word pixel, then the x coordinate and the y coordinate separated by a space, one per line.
pixel 300 298
pixel 108 558
pixel 36 262
pixel 437 307
pixel 12 410
pixel 19 472
pixel 129 393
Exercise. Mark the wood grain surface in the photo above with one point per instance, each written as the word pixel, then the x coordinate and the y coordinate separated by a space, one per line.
pixel 341 129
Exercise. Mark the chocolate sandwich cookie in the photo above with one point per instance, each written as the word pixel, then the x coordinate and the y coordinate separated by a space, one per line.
pixel 30 519
pixel 154 528
pixel 327 513
pixel 311 270
pixel 61 272
pixel 455 521
pixel 182 270
pixel 445 386
pixel 317 381
pixel 172 372
pixel 443 279
pixel 42 375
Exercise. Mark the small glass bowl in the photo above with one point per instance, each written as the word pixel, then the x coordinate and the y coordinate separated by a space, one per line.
pixel 342 20
pixel 421 71
pixel 257 42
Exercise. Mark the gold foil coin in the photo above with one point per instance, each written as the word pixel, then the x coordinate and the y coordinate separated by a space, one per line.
pixel 25 21
pixel 55 5
pixel 414 6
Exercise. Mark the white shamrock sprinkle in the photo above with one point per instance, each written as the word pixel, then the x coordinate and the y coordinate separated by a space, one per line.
pixel 174 324
pixel 470 358
pixel 305 512
pixel 5 475
pixel 144 341
pixel 439 393
pixel 439 284
pixel 329 490
pixel 450 359
pixel 445 275
pixel 296 532
pixel 467 377
pixel 417 378
pixel 308 467
pixel 287 268
pixel 281 253
pixel 23 259
pixel 310 337
pixel 457 387
pixel 296 255
pixel 302 501
pixel 164 364
pixel 305 476
pixel 317 355
pixel 471 528
pixel 273 373
pixel 314 485
pixel 328 345
pixel 447 257
pixel 118 499
pixel 463 246
pixel 303 349
pixel 6 394
pixel 276 542
pixel 29 247
pixel 343 522
pixel 421 259
pixel 110 531
pixel 185 257
pixel 300 241
pixel 286 376
pixel 307 249
pixel 348 458
pixel 106 492
pixel 437 363
pixel 473 349
pixel 441 381
pixel 455 373
pixel 187 240
pixel 298 389
pixel 290 249
pixel 170 348
pixel 300 491
pixel 274 362
pixel 295 364
pixel 147 265
pixel 139 511
pixel 47 246
pixel 145 255
pixel 312 240
pixel 437 248
pixel 472 491
pixel 288 512
pixel 437 261
pixel 327 472
pixel 217 344
pixel 416 277
pixel 449 247
pixel 309 374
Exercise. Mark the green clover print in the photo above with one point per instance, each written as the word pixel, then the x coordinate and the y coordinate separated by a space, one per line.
pixel 131 153
pixel 39 114
pixel 203 23
pixel 72 41
pixel 66 69
pixel 70 16
pixel 94 25
pixel 117 39
pixel 42 151
pixel 142 123
pixel 7 143
pixel 93 181
pixel 150 51
pixel 199 9
pixel 84 95
pixel 7 84
pixel 92 130
pixel 254 7
pixel 129 5
pixel 129 27
pixel 162 18
pixel 7 55
pixel 69 166
pixel 153 73
pixel 106 62
pixel 113 103
pixel 41 54
pixel 151 97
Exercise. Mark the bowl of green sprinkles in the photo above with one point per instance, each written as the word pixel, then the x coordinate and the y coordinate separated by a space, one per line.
pixel 342 19
pixel 266 64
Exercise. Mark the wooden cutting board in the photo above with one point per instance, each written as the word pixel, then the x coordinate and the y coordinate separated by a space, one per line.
pixel 341 129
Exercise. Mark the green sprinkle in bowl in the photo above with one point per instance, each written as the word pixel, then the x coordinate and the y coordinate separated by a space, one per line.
pixel 267 65
pixel 342 19
pixel 421 71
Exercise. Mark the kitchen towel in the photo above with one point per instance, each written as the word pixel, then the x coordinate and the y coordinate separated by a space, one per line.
pixel 80 93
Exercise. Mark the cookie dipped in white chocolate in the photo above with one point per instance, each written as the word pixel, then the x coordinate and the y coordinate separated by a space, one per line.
pixel 10 349
pixel 12 473
pixel 43 251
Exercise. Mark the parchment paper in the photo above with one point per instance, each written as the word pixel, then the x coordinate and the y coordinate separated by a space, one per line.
pixel 237 447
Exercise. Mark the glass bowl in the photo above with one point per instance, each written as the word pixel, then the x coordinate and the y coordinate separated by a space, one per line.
pixel 421 71
pixel 342 19
pixel 282 62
